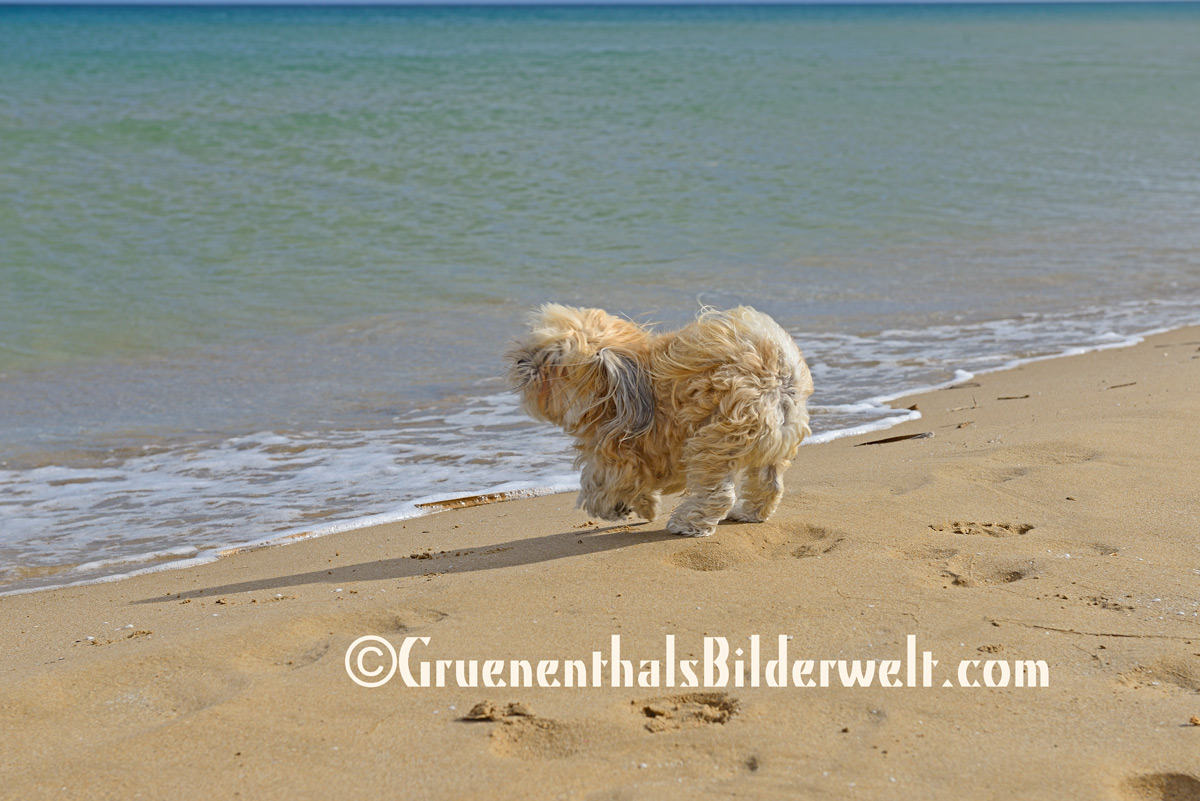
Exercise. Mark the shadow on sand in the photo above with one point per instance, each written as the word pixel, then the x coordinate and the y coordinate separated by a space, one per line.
pixel 514 553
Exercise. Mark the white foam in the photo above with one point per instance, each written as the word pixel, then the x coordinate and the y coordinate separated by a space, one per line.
pixel 150 556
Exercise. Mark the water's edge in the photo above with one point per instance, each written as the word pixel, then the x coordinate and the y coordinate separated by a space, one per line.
pixel 886 404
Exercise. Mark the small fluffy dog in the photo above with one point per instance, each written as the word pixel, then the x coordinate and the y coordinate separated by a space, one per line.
pixel 717 405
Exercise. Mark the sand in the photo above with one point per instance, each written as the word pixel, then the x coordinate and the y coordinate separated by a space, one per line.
pixel 1052 516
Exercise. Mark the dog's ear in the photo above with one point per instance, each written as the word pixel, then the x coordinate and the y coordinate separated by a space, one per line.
pixel 629 391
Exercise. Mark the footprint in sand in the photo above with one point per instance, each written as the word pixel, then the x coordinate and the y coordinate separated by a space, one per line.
pixel 707 556
pixel 766 542
pixel 1161 787
pixel 1167 673
pixel 306 641
pixel 538 738
pixel 689 710
pixel 296 659
pixel 160 688
pixel 966 570
pixel 1048 454
pixel 523 735
pixel 973 528
pixel 1106 602
pixel 820 542
pixel 397 619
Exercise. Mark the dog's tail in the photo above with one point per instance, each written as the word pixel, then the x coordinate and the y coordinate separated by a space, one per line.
pixel 741 365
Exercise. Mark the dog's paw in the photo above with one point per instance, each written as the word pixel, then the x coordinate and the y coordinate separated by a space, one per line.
pixel 613 512
pixel 646 507
pixel 740 514
pixel 685 529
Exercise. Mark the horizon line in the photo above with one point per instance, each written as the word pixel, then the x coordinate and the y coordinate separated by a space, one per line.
pixel 565 3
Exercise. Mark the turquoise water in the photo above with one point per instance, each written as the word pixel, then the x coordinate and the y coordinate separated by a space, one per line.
pixel 231 236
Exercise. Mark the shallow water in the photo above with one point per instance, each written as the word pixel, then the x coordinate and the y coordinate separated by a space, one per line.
pixel 258 266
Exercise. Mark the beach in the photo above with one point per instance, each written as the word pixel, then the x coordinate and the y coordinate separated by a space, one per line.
pixel 1050 519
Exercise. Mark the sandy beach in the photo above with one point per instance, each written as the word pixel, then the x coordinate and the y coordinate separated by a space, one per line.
pixel 1050 518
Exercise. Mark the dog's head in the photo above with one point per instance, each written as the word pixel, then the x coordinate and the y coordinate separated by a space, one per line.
pixel 580 369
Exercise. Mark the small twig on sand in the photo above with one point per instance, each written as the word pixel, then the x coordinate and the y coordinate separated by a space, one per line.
pixel 901 438
pixel 974 405
pixel 996 621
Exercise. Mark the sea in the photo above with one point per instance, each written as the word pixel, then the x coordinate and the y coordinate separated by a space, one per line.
pixel 259 266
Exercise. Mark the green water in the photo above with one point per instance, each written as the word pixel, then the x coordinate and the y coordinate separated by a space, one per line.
pixel 179 176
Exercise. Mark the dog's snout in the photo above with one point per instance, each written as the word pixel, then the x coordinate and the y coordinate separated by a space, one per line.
pixel 523 370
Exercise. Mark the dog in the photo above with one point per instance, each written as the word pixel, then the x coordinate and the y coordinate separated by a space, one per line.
pixel 716 410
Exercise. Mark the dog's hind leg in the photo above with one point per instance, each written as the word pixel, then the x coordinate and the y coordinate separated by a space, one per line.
pixel 761 491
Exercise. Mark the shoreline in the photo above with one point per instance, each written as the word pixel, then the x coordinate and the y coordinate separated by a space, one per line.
pixel 408 510
pixel 1051 517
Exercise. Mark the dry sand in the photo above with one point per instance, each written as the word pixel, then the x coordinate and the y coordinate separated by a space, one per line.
pixel 1052 516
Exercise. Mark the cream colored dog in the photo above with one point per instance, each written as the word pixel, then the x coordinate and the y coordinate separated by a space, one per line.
pixel 716 405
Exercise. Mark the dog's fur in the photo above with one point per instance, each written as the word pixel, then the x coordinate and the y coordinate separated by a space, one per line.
pixel 716 405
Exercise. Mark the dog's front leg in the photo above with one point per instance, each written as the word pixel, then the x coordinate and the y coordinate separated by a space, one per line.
pixel 709 498
pixel 597 494
pixel 646 505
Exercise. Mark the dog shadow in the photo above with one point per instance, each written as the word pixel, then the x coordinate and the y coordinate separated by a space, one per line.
pixel 514 553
